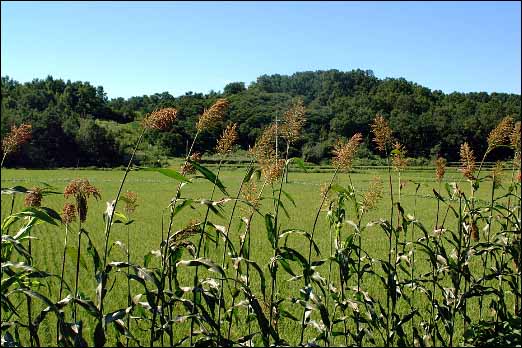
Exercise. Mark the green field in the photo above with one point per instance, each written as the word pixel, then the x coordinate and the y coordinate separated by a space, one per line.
pixel 154 194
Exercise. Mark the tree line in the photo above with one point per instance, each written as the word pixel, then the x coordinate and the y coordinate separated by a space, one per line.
pixel 67 131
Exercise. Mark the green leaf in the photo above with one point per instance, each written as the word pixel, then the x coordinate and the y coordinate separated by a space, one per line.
pixel 49 189
pixel 212 206
pixel 340 189
pixel 38 296
pixel 325 317
pixel 294 255
pixel 439 197
pixel 248 174
pixel 286 314
pixel 264 325
pixel 270 229
pixel 209 175
pixel 279 202
pixel 299 161
pixel 7 339
pixel 146 259
pixel 288 232
pixel 91 249
pixel 72 252
pixel 449 189
pixel 407 318
pixel 110 317
pixel 99 335
pixel 211 266
pixel 221 231
pixel 40 213
pixel 286 266
pixel 120 215
pixel 89 306
pixel 289 197
pixel 13 190
pixel 261 275
pixel 180 207
pixel 171 173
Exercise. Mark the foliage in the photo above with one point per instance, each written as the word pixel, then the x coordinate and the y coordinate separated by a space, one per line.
pixel 338 104
pixel 415 293
pixel 62 116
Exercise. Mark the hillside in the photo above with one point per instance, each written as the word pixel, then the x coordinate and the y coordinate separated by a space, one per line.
pixel 75 123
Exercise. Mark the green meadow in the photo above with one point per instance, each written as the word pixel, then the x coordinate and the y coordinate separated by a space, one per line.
pixel 299 207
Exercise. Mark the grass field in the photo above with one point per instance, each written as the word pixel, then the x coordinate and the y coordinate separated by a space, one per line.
pixel 155 192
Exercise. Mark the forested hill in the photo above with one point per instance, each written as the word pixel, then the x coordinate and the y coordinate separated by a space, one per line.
pixel 74 123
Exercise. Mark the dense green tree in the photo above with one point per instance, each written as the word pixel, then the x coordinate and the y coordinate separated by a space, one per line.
pixel 428 123
pixel 62 116
pixel 96 148
pixel 234 88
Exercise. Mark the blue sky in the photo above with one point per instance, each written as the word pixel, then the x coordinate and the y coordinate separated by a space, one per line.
pixel 136 48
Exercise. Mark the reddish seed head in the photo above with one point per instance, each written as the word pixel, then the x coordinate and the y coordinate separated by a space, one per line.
pixel 500 134
pixel 293 121
pixel 382 133
pixel 344 152
pixel 187 167
pixel 227 140
pixel 68 214
pixel 16 138
pixel 33 197
pixel 441 168
pixel 81 189
pixel 130 198
pixel 467 159
pixel 210 117
pixel 161 120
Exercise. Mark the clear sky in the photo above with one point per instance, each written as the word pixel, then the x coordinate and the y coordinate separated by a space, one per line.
pixel 136 48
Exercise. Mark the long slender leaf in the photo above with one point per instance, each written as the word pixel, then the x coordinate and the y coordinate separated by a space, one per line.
pixel 209 264
pixel 270 229
pixel 209 175
pixel 171 173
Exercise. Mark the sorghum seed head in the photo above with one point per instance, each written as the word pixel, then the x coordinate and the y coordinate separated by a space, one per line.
pixel 211 116
pixel 33 197
pixel 515 143
pixel 264 148
pixel 250 194
pixel 345 152
pixel 496 173
pixel 191 229
pixel 516 159
pixel 514 137
pixel 500 134
pixel 161 120
pixel 272 169
pixel 16 138
pixel 467 159
pixel 399 160
pixel 227 140
pixel 130 198
pixel 187 167
pixel 373 194
pixel 68 214
pixel 441 168
pixel 81 189
pixel 474 232
pixel 293 121
pixel 324 190
pixel 382 133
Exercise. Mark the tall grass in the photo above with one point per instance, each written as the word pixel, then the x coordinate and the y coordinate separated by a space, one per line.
pixel 433 278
